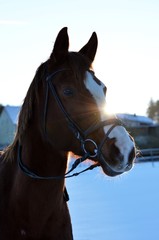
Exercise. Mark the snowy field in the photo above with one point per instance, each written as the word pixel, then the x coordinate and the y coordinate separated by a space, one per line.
pixel 121 208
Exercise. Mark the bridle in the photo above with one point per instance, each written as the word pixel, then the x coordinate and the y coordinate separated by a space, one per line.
pixel 80 135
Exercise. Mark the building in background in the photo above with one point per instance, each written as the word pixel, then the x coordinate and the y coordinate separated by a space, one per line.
pixel 133 120
pixel 8 124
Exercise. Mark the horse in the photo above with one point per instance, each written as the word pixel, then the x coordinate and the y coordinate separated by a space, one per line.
pixel 61 113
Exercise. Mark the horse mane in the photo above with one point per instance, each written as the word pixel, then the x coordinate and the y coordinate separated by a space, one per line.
pixel 26 113
pixel 76 62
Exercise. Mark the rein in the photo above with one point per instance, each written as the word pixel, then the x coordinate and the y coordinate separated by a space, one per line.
pixel 32 174
pixel 78 133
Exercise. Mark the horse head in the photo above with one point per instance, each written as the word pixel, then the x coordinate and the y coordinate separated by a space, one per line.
pixel 74 119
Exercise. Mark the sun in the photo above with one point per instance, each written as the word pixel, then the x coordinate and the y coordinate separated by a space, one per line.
pixel 108 111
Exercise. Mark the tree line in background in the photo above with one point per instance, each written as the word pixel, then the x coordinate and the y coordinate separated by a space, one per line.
pixel 153 110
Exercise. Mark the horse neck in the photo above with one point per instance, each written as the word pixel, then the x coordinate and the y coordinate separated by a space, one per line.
pixel 44 159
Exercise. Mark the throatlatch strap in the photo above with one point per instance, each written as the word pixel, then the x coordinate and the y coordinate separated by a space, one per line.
pixel 28 172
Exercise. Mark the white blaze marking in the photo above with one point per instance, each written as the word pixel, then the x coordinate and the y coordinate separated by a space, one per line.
pixel 123 141
pixel 96 90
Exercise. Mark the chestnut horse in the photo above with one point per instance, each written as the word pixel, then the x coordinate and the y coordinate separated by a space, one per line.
pixel 62 112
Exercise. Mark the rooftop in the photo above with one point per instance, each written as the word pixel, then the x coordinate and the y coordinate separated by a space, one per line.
pixel 13 112
pixel 135 118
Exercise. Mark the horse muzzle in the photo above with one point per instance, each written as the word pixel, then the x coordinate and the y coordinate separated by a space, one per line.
pixel 114 163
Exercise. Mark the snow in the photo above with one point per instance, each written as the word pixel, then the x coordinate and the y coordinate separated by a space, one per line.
pixel 121 208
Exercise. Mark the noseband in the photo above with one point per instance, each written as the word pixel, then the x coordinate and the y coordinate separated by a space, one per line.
pixel 80 135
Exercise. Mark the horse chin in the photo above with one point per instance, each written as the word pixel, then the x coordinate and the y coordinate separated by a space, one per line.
pixel 107 168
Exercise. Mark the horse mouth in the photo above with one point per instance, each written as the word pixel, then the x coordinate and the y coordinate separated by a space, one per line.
pixel 107 169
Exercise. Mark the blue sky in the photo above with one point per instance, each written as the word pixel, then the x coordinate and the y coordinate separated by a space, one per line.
pixel 127 60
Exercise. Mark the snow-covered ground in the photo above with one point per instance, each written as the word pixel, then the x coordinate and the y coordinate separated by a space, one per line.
pixel 121 208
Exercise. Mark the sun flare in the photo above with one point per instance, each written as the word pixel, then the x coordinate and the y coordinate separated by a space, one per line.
pixel 108 110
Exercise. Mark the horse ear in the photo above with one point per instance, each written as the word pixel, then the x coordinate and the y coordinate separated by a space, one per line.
pixel 61 45
pixel 89 50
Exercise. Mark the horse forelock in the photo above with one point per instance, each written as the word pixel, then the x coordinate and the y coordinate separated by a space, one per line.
pixel 78 64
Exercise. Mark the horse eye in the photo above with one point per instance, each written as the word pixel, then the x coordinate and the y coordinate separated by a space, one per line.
pixel 68 92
